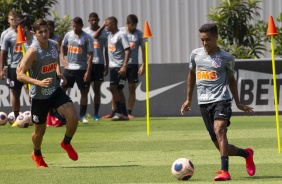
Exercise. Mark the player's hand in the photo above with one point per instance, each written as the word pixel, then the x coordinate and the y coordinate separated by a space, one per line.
pixel 3 73
pixel 141 70
pixel 63 81
pixel 122 71
pixel 86 77
pixel 65 63
pixel 106 70
pixel 186 106
pixel 45 83
pixel 245 108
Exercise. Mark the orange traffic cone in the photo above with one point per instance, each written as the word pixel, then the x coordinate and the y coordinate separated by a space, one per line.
pixel 271 29
pixel 147 31
pixel 20 36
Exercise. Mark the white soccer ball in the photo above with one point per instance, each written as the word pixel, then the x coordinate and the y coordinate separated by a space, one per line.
pixel 28 114
pixel 3 118
pixel 11 117
pixel 182 169
pixel 22 121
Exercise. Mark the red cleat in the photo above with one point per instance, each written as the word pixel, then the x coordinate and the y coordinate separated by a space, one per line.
pixel 250 165
pixel 38 160
pixel 69 149
pixel 222 176
pixel 108 116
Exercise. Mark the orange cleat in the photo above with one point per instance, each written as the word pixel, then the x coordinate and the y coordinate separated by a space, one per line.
pixel 39 161
pixel 222 176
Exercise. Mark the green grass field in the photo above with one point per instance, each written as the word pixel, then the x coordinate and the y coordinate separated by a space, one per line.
pixel 122 152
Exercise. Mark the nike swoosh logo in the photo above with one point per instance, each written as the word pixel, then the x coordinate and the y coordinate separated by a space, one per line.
pixel 141 95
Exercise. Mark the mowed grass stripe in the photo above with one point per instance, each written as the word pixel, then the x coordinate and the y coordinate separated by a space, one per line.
pixel 121 152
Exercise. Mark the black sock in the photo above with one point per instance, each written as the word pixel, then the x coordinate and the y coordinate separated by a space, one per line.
pixel 129 111
pixel 114 111
pixel 96 108
pixel 242 153
pixel 37 152
pixel 52 112
pixel 16 114
pixel 82 111
pixel 67 139
pixel 224 163
pixel 123 109
pixel 118 110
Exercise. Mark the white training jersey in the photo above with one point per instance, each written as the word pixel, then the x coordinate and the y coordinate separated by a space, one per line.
pixel 212 72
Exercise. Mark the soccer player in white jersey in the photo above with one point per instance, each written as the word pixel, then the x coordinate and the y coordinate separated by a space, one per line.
pixel 11 55
pixel 100 62
pixel 78 65
pixel 11 21
pixel 42 60
pixel 119 53
pixel 212 70
pixel 136 41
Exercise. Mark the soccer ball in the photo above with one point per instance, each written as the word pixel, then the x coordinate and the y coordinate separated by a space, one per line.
pixel 182 169
pixel 3 118
pixel 11 118
pixel 28 114
pixel 22 121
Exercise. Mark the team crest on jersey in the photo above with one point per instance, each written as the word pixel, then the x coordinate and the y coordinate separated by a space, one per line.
pixel 133 37
pixel 54 53
pixel 216 63
pixel 113 39
pixel 81 41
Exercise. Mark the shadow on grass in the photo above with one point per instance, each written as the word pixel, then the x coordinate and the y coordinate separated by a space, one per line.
pixel 102 166
pixel 262 177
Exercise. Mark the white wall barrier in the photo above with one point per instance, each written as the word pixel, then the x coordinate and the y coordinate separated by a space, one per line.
pixel 168 90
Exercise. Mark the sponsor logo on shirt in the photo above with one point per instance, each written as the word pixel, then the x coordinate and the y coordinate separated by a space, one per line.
pixel 96 45
pixel 49 68
pixel 18 48
pixel 75 50
pixel 111 48
pixel 132 45
pixel 206 75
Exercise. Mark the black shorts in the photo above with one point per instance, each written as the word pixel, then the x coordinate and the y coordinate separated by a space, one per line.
pixel 97 73
pixel 116 79
pixel 12 81
pixel 216 110
pixel 41 107
pixel 77 76
pixel 132 73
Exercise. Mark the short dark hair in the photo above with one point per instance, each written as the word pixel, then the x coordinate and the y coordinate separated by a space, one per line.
pixel 209 27
pixel 78 20
pixel 25 23
pixel 94 15
pixel 112 19
pixel 50 23
pixel 36 25
pixel 18 15
pixel 132 19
